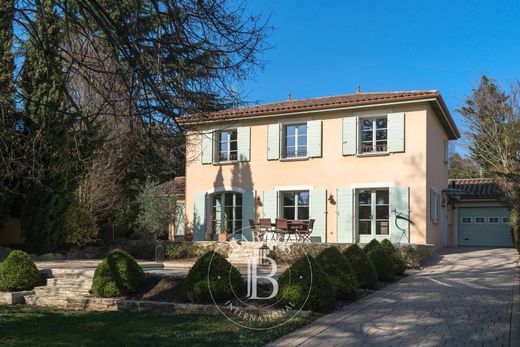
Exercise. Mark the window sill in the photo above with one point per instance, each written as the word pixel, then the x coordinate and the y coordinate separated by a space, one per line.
pixel 373 154
pixel 294 159
pixel 228 162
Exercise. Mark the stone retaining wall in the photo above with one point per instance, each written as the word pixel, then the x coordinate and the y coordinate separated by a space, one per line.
pixel 123 305
pixel 14 298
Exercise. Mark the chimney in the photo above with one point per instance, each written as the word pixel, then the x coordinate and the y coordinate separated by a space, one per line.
pixel 358 89
pixel 289 97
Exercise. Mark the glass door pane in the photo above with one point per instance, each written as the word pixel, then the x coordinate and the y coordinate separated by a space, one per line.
pixel 364 212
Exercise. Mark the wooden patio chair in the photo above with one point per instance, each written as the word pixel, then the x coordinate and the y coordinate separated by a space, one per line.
pixel 305 233
pixel 282 228
pixel 264 226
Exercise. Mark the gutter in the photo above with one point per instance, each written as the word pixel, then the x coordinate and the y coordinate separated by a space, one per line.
pixel 440 104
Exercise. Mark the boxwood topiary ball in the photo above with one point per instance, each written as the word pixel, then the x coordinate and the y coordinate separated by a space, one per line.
pixel 364 269
pixel 213 279
pixel 117 275
pixel 18 272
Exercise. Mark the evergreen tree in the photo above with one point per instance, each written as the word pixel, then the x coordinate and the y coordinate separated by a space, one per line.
pixel 7 92
pixel 462 167
pixel 47 120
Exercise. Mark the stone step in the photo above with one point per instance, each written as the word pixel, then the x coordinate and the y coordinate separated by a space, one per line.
pixel 59 291
pixel 69 273
pixel 69 282
pixel 47 301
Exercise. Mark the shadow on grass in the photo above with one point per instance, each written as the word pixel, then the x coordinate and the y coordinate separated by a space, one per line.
pixel 29 327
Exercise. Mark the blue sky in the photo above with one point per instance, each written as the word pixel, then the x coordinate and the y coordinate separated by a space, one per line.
pixel 328 47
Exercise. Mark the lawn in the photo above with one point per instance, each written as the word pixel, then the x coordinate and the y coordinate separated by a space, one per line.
pixel 30 327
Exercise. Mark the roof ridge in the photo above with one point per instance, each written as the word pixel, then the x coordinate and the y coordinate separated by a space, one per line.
pixel 339 96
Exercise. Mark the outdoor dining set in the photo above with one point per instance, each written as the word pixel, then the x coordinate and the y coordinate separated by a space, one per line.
pixel 282 229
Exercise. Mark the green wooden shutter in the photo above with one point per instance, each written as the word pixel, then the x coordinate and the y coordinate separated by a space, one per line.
pixel 248 212
pixel 349 135
pixel 199 217
pixel 273 142
pixel 318 212
pixel 244 143
pixel 207 147
pixel 314 138
pixel 399 204
pixel 396 132
pixel 270 205
pixel 180 212
pixel 344 215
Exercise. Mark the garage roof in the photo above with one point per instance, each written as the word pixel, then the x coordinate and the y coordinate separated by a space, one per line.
pixel 475 188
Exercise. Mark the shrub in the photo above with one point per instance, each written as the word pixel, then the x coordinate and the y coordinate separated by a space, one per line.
pixel 299 286
pixel 157 208
pixel 79 225
pixel 117 275
pixel 370 245
pixel 18 272
pixel 364 269
pixel 340 272
pixel 383 262
pixel 397 257
pixel 212 278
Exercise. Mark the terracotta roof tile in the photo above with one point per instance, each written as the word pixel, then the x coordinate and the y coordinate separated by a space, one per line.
pixel 476 188
pixel 321 103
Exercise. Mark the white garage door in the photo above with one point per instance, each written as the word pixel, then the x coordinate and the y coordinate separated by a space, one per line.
pixel 484 226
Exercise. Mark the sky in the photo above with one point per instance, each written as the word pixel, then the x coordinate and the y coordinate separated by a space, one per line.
pixel 322 48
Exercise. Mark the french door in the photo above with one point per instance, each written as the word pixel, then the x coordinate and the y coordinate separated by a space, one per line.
pixel 373 212
pixel 227 212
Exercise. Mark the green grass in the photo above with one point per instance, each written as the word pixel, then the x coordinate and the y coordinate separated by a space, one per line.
pixel 31 327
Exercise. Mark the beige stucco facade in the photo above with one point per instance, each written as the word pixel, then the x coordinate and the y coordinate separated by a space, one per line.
pixel 421 166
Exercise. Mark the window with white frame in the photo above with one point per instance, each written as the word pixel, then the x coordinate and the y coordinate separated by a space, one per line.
pixel 294 141
pixel 227 212
pixel 480 220
pixel 466 220
pixel 493 220
pixel 505 220
pixel 295 205
pixel 373 135
pixel 227 146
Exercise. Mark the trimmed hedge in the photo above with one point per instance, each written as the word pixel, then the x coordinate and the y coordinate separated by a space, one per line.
pixel 299 286
pixel 213 278
pixel 369 246
pixel 117 275
pixel 18 272
pixel 340 273
pixel 364 269
pixel 383 261
pixel 397 257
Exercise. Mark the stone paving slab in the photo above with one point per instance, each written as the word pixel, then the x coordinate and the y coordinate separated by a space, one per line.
pixel 463 298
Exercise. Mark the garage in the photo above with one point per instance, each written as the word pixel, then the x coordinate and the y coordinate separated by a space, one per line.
pixel 477 215
pixel 484 226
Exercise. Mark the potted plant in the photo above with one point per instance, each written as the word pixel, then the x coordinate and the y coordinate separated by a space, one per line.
pixel 188 236
pixel 222 235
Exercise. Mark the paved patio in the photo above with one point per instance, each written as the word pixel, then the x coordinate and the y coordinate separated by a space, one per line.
pixel 464 298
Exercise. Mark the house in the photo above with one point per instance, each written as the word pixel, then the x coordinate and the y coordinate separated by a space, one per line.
pixel 477 215
pixel 363 165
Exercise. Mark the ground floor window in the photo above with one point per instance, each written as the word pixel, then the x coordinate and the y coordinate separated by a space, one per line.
pixel 227 212
pixel 295 205
pixel 373 212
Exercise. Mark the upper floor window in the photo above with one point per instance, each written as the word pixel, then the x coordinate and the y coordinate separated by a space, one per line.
pixel 227 145
pixel 295 141
pixel 374 135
